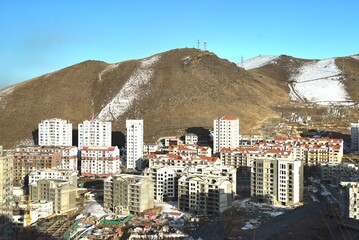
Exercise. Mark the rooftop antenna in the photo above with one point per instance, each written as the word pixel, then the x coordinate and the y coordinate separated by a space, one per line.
pixel 198 42
pixel 242 61
pixel 205 45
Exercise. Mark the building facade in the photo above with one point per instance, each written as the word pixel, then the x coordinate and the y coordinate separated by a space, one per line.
pixel 190 138
pixel 225 133
pixel 100 161
pixel 349 202
pixel 61 193
pixel 354 136
pixel 55 132
pixel 277 180
pixel 6 184
pixel 56 174
pixel 29 159
pixel 92 133
pixel 204 194
pixel 128 194
pixel 134 143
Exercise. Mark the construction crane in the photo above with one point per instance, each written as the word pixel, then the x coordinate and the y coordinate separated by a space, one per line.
pixel 27 213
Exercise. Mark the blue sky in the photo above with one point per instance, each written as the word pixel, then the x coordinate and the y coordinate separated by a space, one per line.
pixel 42 36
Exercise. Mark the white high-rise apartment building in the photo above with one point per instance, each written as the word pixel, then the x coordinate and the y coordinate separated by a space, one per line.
pixel 55 132
pixel 94 133
pixel 354 133
pixel 134 143
pixel 225 133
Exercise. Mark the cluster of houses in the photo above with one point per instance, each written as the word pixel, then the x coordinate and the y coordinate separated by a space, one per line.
pixel 202 179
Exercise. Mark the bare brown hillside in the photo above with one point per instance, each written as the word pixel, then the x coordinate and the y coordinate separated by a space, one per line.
pixel 188 88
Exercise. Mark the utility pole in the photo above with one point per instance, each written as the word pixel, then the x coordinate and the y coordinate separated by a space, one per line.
pixel 198 42
pixel 205 45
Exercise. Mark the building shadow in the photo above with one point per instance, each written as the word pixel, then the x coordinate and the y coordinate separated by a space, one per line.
pixel 118 139
pixel 35 136
pixel 203 134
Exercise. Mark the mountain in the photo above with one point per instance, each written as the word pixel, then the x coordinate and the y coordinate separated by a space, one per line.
pixel 185 88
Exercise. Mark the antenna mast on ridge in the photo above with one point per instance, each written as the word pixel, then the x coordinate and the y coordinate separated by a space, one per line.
pixel 205 45
pixel 198 42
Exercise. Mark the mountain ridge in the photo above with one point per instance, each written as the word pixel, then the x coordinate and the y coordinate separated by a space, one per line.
pixel 180 89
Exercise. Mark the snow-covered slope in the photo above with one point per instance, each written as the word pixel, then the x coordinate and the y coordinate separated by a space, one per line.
pixel 319 82
pixel 128 93
pixel 355 57
pixel 3 93
pixel 257 62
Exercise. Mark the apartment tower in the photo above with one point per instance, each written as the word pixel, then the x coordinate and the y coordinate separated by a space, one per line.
pixel 55 132
pixel 134 143
pixel 225 133
pixel 354 133
pixel 94 133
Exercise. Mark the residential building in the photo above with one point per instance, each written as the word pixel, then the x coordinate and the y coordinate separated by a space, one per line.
pixel 150 148
pixel 218 170
pixel 69 157
pixel 56 174
pixel 225 133
pixel 277 179
pixel 61 193
pixel 165 178
pixel 134 143
pixel 29 159
pixel 128 194
pixel 171 159
pixel 165 181
pixel 349 201
pixel 187 150
pixel 6 165
pixel 165 142
pixel 354 135
pixel 55 132
pixel 328 171
pixel 100 161
pixel 203 194
pixel 238 157
pixel 190 138
pixel 94 133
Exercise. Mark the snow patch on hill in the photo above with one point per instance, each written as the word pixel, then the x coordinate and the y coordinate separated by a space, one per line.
pixel 320 82
pixel 355 57
pixel 257 62
pixel 128 93
pixel 3 93
pixel 107 69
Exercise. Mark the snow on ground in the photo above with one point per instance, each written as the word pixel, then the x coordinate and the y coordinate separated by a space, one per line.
pixel 185 60
pixel 326 193
pixel 107 69
pixel 355 57
pixel 314 197
pixel 3 93
pixel 128 93
pixel 257 62
pixel 167 206
pixel 319 82
pixel 94 208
